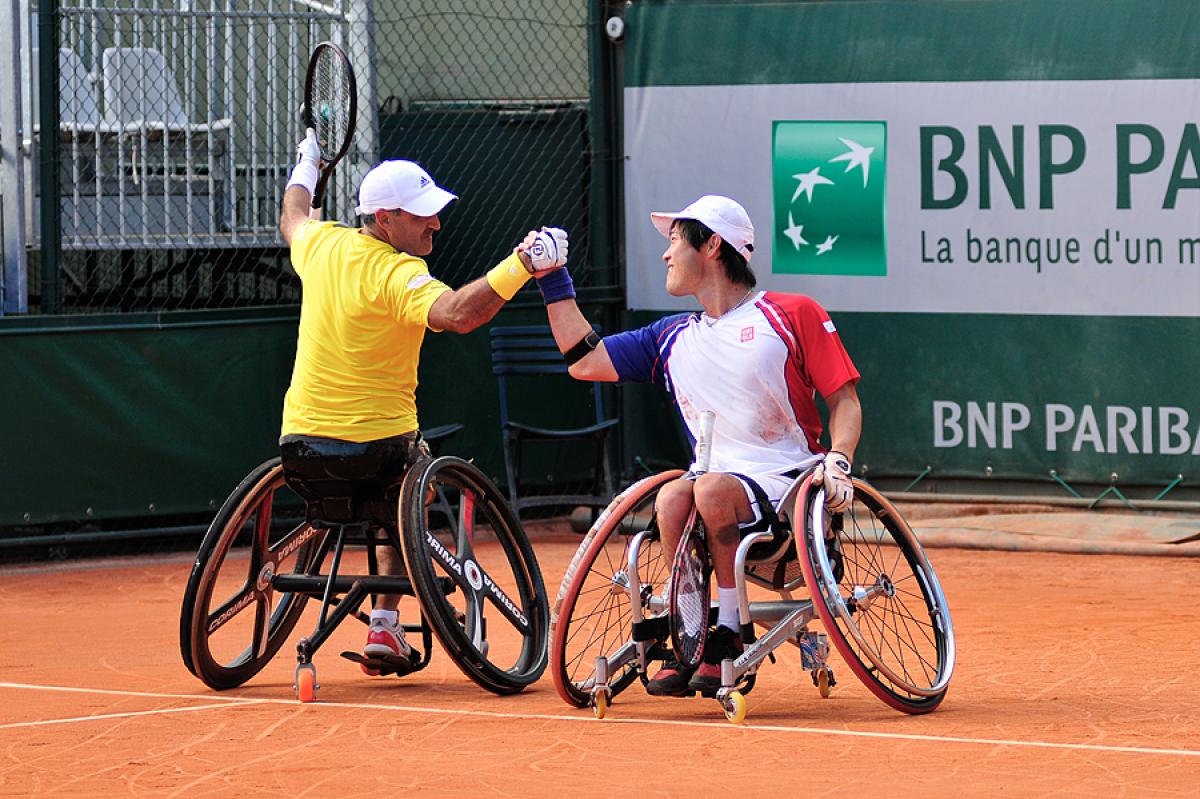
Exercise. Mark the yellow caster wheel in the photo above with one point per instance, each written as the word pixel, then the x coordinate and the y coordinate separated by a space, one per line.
pixel 735 707
pixel 823 684
pixel 306 684
pixel 600 704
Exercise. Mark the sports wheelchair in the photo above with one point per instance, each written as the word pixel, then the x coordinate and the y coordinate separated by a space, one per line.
pixel 871 587
pixel 279 541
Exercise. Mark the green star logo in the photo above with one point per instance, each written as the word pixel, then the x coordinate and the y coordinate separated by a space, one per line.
pixel 828 190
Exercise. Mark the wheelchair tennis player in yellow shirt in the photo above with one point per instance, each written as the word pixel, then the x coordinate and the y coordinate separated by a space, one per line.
pixel 367 300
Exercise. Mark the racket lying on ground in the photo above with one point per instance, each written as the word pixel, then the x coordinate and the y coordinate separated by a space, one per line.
pixel 330 108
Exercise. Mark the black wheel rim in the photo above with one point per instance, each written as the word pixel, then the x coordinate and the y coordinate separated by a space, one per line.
pixel 233 622
pixel 476 574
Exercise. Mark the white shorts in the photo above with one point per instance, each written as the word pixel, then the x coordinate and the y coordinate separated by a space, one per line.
pixel 773 485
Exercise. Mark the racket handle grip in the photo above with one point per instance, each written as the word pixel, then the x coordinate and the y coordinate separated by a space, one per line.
pixel 704 443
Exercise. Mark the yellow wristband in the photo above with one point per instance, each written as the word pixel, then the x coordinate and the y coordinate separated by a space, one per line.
pixel 507 277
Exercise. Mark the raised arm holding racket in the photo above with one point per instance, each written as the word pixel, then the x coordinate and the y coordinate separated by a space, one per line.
pixel 368 298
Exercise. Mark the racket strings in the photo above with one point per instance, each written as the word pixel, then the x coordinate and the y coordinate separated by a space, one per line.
pixel 691 603
pixel 330 102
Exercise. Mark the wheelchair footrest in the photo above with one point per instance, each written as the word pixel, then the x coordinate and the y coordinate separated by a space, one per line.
pixel 387 664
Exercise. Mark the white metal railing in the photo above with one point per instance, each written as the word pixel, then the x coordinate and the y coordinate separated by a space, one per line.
pixel 179 118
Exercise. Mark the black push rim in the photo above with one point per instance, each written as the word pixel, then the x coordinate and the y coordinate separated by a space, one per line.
pixel 199 621
pixel 524 610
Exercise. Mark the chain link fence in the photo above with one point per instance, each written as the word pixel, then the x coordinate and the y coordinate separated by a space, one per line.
pixel 177 123
pixel 492 99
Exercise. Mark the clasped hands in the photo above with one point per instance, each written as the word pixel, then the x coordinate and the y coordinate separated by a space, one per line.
pixel 543 251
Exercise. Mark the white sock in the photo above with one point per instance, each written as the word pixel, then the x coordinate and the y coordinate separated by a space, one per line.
pixel 392 617
pixel 727 610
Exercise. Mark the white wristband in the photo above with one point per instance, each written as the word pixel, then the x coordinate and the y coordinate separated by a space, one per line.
pixel 305 174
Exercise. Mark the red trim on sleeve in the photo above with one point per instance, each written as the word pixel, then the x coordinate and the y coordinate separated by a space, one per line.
pixel 817 360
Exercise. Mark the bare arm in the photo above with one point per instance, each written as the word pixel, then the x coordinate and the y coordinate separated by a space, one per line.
pixel 467 308
pixel 845 420
pixel 297 197
pixel 294 213
pixel 570 326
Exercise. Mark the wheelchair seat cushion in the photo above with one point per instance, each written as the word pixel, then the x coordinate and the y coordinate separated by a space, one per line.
pixel 348 481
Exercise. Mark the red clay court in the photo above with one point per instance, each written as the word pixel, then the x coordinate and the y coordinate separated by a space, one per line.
pixel 1075 678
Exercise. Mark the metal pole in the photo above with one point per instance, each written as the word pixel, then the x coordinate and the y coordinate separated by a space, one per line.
pixel 604 200
pixel 14 274
pixel 602 120
pixel 51 201
pixel 364 152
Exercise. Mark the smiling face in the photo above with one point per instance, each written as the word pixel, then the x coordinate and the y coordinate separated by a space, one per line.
pixel 407 232
pixel 685 264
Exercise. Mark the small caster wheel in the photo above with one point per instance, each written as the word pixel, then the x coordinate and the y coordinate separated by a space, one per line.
pixel 824 680
pixel 600 703
pixel 306 684
pixel 735 707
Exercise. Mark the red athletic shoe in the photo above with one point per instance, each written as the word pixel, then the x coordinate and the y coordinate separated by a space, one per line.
pixel 671 680
pixel 385 640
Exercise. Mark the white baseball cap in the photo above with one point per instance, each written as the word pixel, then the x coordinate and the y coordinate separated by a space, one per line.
pixel 401 184
pixel 723 216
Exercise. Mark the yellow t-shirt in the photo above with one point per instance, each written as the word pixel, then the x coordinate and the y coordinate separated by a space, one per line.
pixel 363 316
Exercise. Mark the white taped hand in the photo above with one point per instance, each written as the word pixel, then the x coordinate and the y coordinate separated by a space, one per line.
pixel 306 172
pixel 834 472
pixel 309 149
pixel 546 248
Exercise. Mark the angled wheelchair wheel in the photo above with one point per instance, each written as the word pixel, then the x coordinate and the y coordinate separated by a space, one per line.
pixel 475 574
pixel 593 612
pixel 877 597
pixel 233 621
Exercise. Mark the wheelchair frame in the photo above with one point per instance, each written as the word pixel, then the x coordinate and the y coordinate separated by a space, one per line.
pixel 442 561
pixel 842 604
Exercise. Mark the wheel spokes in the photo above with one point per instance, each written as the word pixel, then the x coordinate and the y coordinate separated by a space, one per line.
pixel 229 609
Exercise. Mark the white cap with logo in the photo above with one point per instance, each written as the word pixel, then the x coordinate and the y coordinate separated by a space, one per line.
pixel 723 216
pixel 401 184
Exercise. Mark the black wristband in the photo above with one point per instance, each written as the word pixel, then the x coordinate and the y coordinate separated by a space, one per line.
pixel 582 347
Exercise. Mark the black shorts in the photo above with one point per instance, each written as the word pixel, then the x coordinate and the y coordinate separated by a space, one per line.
pixel 344 481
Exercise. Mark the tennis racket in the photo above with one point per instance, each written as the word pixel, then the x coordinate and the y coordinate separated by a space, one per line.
pixel 704 442
pixel 688 599
pixel 330 108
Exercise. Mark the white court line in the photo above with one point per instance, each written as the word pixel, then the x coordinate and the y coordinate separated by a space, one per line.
pixel 586 719
pixel 151 694
pixel 102 716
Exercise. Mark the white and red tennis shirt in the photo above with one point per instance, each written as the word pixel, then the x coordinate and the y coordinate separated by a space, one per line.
pixel 758 367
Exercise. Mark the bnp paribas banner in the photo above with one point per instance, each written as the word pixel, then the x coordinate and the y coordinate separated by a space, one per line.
pixel 1005 222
